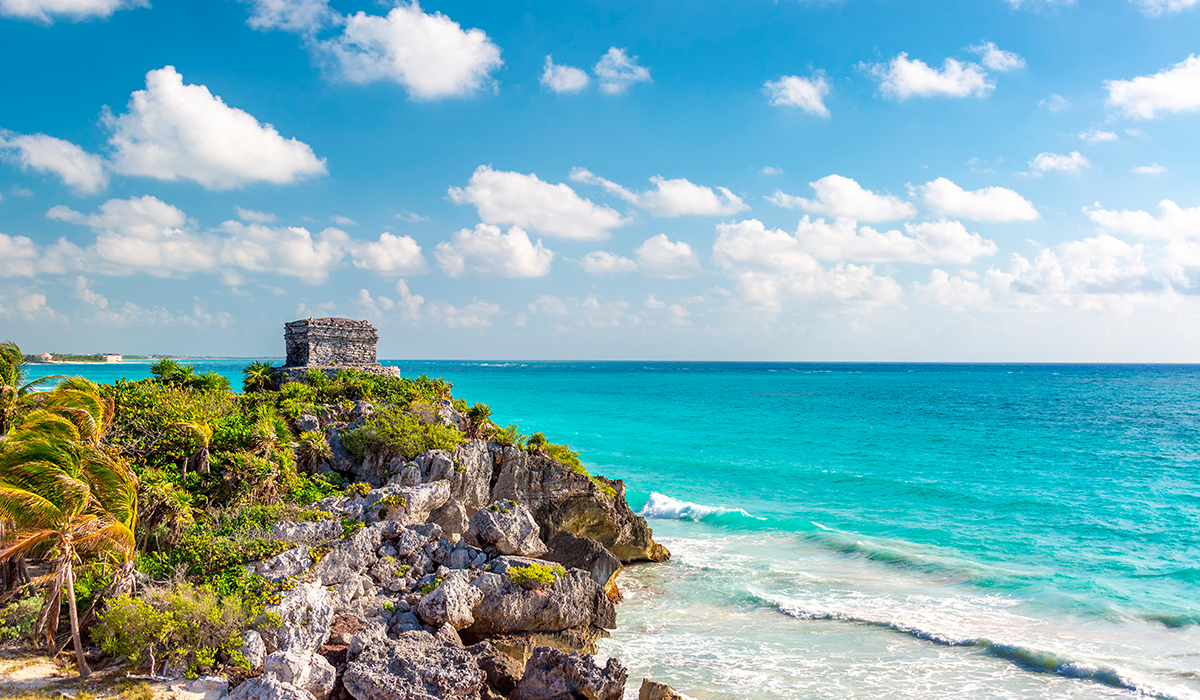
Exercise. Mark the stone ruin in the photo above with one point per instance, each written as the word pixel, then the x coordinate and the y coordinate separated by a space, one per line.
pixel 330 345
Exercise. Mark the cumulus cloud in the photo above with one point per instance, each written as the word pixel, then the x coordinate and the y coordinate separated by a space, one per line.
pixel 658 256
pixel 1173 222
pixel 771 170
pixel 671 198
pixel 18 256
pixel 297 16
pixel 78 169
pixel 392 255
pixel 46 11
pixel 997 59
pixel 1098 136
pixel 1072 162
pixel 254 217
pixel 560 78
pixel 85 293
pixel 939 241
pixel 431 55
pixel 1054 103
pixel 1155 8
pixel 617 71
pixel 572 312
pixel 523 200
pixel 485 250
pixel 770 265
pixel 902 79
pixel 843 197
pixel 807 94
pixel 597 262
pixel 1170 91
pixel 1152 169
pixel 944 198
pixel 173 131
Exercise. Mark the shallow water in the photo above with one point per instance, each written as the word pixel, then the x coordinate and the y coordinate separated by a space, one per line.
pixel 888 530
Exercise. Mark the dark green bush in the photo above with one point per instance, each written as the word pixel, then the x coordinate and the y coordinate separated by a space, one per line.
pixel 397 431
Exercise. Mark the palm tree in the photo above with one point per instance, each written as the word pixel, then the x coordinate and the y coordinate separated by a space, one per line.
pixel 15 392
pixel 69 498
pixel 200 433
pixel 311 449
pixel 479 416
pixel 263 440
pixel 259 376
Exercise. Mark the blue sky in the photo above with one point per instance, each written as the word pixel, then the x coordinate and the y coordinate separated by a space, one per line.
pixel 861 180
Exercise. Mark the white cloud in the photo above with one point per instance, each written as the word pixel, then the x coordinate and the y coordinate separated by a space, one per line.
pixel 28 305
pixel 343 220
pixel 944 198
pixel 291 251
pixel 429 54
pixel 477 314
pixel 1170 91
pixel 901 79
pixel 174 131
pixel 997 59
pixel 484 250
pixel 806 93
pixel 771 170
pixel 939 241
pixel 770 265
pixel 394 255
pixel 78 169
pixel 597 262
pixel 18 256
pixel 1154 169
pixel 559 78
pixel 1155 8
pixel 1072 162
pixel 659 257
pixel 524 200
pixel 1098 136
pixel 298 16
pixel 843 197
pixel 1038 4
pixel 573 312
pixel 84 293
pixel 1173 222
pixel 411 217
pixel 617 71
pixel 254 217
pixel 671 198
pixel 408 305
pixel 1054 103
pixel 47 11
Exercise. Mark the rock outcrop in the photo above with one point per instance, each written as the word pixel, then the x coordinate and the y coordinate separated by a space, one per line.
pixel 304 614
pixel 657 691
pixel 506 527
pixel 413 666
pixel 268 687
pixel 450 604
pixel 303 669
pixel 553 675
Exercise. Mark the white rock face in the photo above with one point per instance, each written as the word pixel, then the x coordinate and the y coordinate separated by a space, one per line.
pixel 268 687
pixel 306 613
pixel 303 669
pixel 506 527
pixel 450 603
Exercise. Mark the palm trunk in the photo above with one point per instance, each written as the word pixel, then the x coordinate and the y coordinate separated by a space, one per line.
pixel 84 671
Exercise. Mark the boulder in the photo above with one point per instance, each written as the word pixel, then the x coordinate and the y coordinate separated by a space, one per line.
pixel 553 675
pixel 307 533
pixel 268 687
pixel 561 499
pixel 575 552
pixel 306 614
pixel 303 669
pixel 351 556
pixel 413 666
pixel 306 422
pixel 450 603
pixel 254 649
pixel 657 691
pixel 503 671
pixel 284 565
pixel 572 601
pixel 451 517
pixel 506 527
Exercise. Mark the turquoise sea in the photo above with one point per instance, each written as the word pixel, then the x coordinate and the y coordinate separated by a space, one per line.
pixel 886 530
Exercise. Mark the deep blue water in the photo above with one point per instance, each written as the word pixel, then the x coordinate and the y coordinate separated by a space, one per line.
pixel 1032 529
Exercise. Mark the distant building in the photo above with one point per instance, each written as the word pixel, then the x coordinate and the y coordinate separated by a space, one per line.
pixel 111 357
pixel 45 357
pixel 329 345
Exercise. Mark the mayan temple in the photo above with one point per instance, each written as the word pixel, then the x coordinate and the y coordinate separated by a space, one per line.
pixel 331 344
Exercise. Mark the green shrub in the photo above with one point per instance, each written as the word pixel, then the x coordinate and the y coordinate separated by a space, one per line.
pixel 535 575
pixel 397 431
pixel 18 617
pixel 186 623
pixel 431 586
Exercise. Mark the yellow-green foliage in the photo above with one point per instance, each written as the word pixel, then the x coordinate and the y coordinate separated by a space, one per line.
pixel 431 586
pixel 398 431
pixel 570 459
pixel 535 575
pixel 187 623
pixel 17 618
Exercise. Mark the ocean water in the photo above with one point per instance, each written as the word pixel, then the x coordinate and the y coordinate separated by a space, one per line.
pixel 887 530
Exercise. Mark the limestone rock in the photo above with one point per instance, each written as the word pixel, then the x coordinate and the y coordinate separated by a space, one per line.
pixel 576 552
pixel 287 564
pixel 451 517
pixel 302 669
pixel 306 422
pixel 506 527
pixel 414 666
pixel 307 533
pixel 553 675
pixel 503 671
pixel 306 614
pixel 657 691
pixel 573 601
pixel 350 557
pixel 254 649
pixel 268 687
pixel 561 499
pixel 450 603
